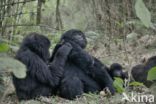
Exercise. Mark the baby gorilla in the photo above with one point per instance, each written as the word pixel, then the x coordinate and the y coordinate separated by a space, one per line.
pixel 140 72
pixel 82 72
pixel 41 79
pixel 116 70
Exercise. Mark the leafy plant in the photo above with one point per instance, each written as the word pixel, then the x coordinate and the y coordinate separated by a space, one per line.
pixel 143 13
pixel 12 65
pixel 118 84
pixel 4 47
pixel 134 83
pixel 151 74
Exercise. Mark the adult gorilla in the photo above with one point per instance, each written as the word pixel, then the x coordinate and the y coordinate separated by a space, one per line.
pixel 41 79
pixel 83 73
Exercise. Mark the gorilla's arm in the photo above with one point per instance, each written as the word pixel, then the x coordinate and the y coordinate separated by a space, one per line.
pixel 92 67
pixel 58 62
pixel 78 56
pixel 100 72
pixel 81 58
pixel 37 68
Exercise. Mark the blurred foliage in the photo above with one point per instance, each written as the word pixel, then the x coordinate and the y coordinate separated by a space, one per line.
pixel 4 47
pixel 143 13
pixel 11 65
pixel 118 84
pixel 134 83
pixel 152 74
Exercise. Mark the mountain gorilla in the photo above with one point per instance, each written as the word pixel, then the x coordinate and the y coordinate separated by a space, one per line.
pixel 82 72
pixel 41 79
pixel 116 70
pixel 140 72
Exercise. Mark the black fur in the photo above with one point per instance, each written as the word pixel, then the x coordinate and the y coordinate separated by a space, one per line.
pixel 140 72
pixel 116 70
pixel 83 73
pixel 41 79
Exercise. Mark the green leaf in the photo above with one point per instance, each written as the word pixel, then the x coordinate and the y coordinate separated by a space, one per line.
pixel 143 13
pixel 136 84
pixel 4 47
pixel 151 74
pixel 118 84
pixel 12 65
pixel 132 36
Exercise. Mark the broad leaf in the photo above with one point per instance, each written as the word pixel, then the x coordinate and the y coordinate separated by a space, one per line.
pixel 143 13
pixel 4 47
pixel 136 84
pixel 132 36
pixel 12 65
pixel 151 74
pixel 118 84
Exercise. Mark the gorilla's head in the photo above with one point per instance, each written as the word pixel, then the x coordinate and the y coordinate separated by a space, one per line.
pixel 116 71
pixel 76 36
pixel 38 44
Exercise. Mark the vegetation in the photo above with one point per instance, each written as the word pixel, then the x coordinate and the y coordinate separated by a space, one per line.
pixel 117 31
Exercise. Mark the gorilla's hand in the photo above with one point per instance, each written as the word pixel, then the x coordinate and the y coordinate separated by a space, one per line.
pixel 59 60
pixel 64 50
pixel 74 44
pixel 76 47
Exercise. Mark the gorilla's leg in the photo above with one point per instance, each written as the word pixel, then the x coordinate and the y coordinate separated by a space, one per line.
pixel 71 87
pixel 23 95
pixel 90 85
pixel 42 90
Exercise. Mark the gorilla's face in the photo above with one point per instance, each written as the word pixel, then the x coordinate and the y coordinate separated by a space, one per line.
pixel 75 36
pixel 80 40
pixel 38 44
pixel 116 70
pixel 117 73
